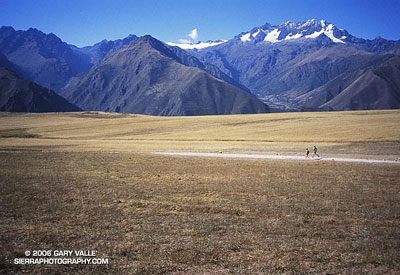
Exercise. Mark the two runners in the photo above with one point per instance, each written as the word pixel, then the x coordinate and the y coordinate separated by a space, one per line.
pixel 315 150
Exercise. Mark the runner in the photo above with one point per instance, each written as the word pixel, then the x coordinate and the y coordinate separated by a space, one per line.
pixel 307 153
pixel 315 150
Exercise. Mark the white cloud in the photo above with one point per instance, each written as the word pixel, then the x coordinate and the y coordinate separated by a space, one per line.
pixel 194 34
pixel 184 41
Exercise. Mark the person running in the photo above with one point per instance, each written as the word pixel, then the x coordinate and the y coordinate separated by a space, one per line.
pixel 307 153
pixel 315 150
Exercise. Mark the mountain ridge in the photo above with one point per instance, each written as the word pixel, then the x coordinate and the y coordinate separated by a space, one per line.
pixel 42 58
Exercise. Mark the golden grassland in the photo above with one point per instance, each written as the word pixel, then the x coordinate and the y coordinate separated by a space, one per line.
pixel 354 133
pixel 87 181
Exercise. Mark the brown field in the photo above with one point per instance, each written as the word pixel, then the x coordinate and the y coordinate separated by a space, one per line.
pixel 87 181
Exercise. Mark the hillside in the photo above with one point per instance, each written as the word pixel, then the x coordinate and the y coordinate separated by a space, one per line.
pixel 19 95
pixel 377 87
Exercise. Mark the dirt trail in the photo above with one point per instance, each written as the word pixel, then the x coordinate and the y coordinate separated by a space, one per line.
pixel 221 155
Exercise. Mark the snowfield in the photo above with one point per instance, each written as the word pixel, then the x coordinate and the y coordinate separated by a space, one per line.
pixel 198 46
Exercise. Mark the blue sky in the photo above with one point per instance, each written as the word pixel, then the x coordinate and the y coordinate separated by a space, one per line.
pixel 85 22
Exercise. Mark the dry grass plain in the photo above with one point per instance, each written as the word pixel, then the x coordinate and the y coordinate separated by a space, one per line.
pixel 87 181
pixel 361 133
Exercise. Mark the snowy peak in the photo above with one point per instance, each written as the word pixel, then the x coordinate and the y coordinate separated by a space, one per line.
pixel 290 31
pixel 196 46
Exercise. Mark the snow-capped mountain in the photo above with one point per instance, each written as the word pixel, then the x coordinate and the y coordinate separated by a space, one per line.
pixel 291 64
pixel 290 31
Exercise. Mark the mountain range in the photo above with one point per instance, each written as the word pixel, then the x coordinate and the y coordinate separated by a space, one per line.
pixel 148 77
pixel 281 64
pixel 303 66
